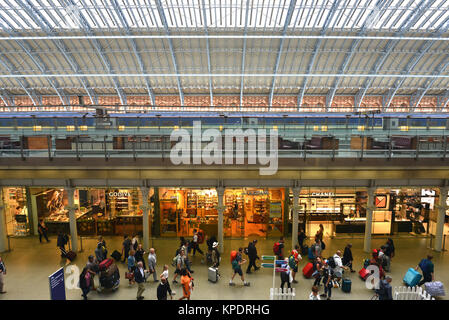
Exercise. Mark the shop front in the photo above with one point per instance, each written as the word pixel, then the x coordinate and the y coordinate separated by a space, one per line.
pixel 98 211
pixel 343 210
pixel 182 210
pixel 16 211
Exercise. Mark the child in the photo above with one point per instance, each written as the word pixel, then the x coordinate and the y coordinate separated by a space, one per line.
pixel 314 294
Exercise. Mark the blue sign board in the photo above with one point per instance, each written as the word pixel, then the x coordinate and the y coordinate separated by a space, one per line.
pixel 57 285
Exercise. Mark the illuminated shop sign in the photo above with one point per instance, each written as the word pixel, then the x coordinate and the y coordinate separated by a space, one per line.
pixel 119 194
pixel 257 192
pixel 323 194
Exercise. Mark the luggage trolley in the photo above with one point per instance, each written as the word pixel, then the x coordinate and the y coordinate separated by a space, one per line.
pixel 108 280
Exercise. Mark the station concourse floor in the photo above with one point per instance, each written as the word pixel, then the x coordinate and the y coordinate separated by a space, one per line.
pixel 30 263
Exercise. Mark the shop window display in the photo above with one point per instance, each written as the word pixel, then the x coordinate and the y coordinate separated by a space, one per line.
pixel 248 212
pixel 254 212
pixel 112 211
pixel 183 210
pixel 16 211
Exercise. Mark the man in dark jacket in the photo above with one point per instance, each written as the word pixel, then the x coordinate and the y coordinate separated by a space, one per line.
pixel 63 239
pixel 252 256
pixel 162 290
pixel 385 291
pixel 139 277
pixel 347 257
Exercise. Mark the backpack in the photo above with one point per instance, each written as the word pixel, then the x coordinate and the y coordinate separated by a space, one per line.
pixel 233 255
pixel 246 251
pixel 331 262
pixel 235 264
pixel 276 248
pixel 291 261
pixel 366 263
pixel 200 235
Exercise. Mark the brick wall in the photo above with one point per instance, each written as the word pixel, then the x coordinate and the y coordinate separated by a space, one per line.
pixel 232 103
pixel 371 104
pixel 313 104
pixel 427 104
pixel 342 104
pixel 399 104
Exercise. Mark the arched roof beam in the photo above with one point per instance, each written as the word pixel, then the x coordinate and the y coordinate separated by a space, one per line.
pixel 327 22
pixel 405 26
pixel 370 20
pixel 135 50
pixel 161 12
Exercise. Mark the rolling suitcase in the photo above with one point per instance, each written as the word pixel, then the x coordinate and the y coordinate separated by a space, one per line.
pixel 307 271
pixel 346 285
pixel 116 255
pixel 435 288
pixel 310 253
pixel 364 273
pixel 71 255
pixel 212 275
pixel 412 277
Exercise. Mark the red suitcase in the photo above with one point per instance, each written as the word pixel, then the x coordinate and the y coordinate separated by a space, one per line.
pixel 308 270
pixel 105 264
pixel 364 273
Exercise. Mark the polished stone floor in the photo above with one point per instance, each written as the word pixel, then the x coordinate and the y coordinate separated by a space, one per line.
pixel 30 263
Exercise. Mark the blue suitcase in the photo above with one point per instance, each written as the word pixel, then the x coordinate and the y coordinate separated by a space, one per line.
pixel 412 278
pixel 346 285
pixel 311 255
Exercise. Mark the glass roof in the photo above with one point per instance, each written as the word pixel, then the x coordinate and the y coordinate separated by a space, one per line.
pixel 255 15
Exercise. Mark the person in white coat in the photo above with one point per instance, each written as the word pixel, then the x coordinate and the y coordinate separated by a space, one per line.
pixel 152 263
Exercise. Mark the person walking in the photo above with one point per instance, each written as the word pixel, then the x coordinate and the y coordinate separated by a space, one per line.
pixel 195 243
pixel 252 256
pixel 139 255
pixel 327 281
pixel 301 237
pixel 339 267
pixel 99 252
pixel 317 271
pixel 186 284
pixel 2 275
pixel 42 230
pixel 139 276
pixel 152 263
pixel 293 262
pixel 135 242
pixel 278 249
pixel 347 257
pixel 180 264
pixel 317 248
pixel 390 250
pixel 427 269
pixel 92 268
pixel 215 255
pixel 385 291
pixel 163 288
pixel 237 268
pixel 132 265
pixel 85 282
pixel 126 247
pixel 285 275
pixel 61 242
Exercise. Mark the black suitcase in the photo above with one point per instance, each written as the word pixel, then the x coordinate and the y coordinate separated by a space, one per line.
pixel 71 255
pixel 116 255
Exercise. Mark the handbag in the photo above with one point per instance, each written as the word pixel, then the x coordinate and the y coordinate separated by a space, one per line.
pixel 129 275
pixel 323 245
